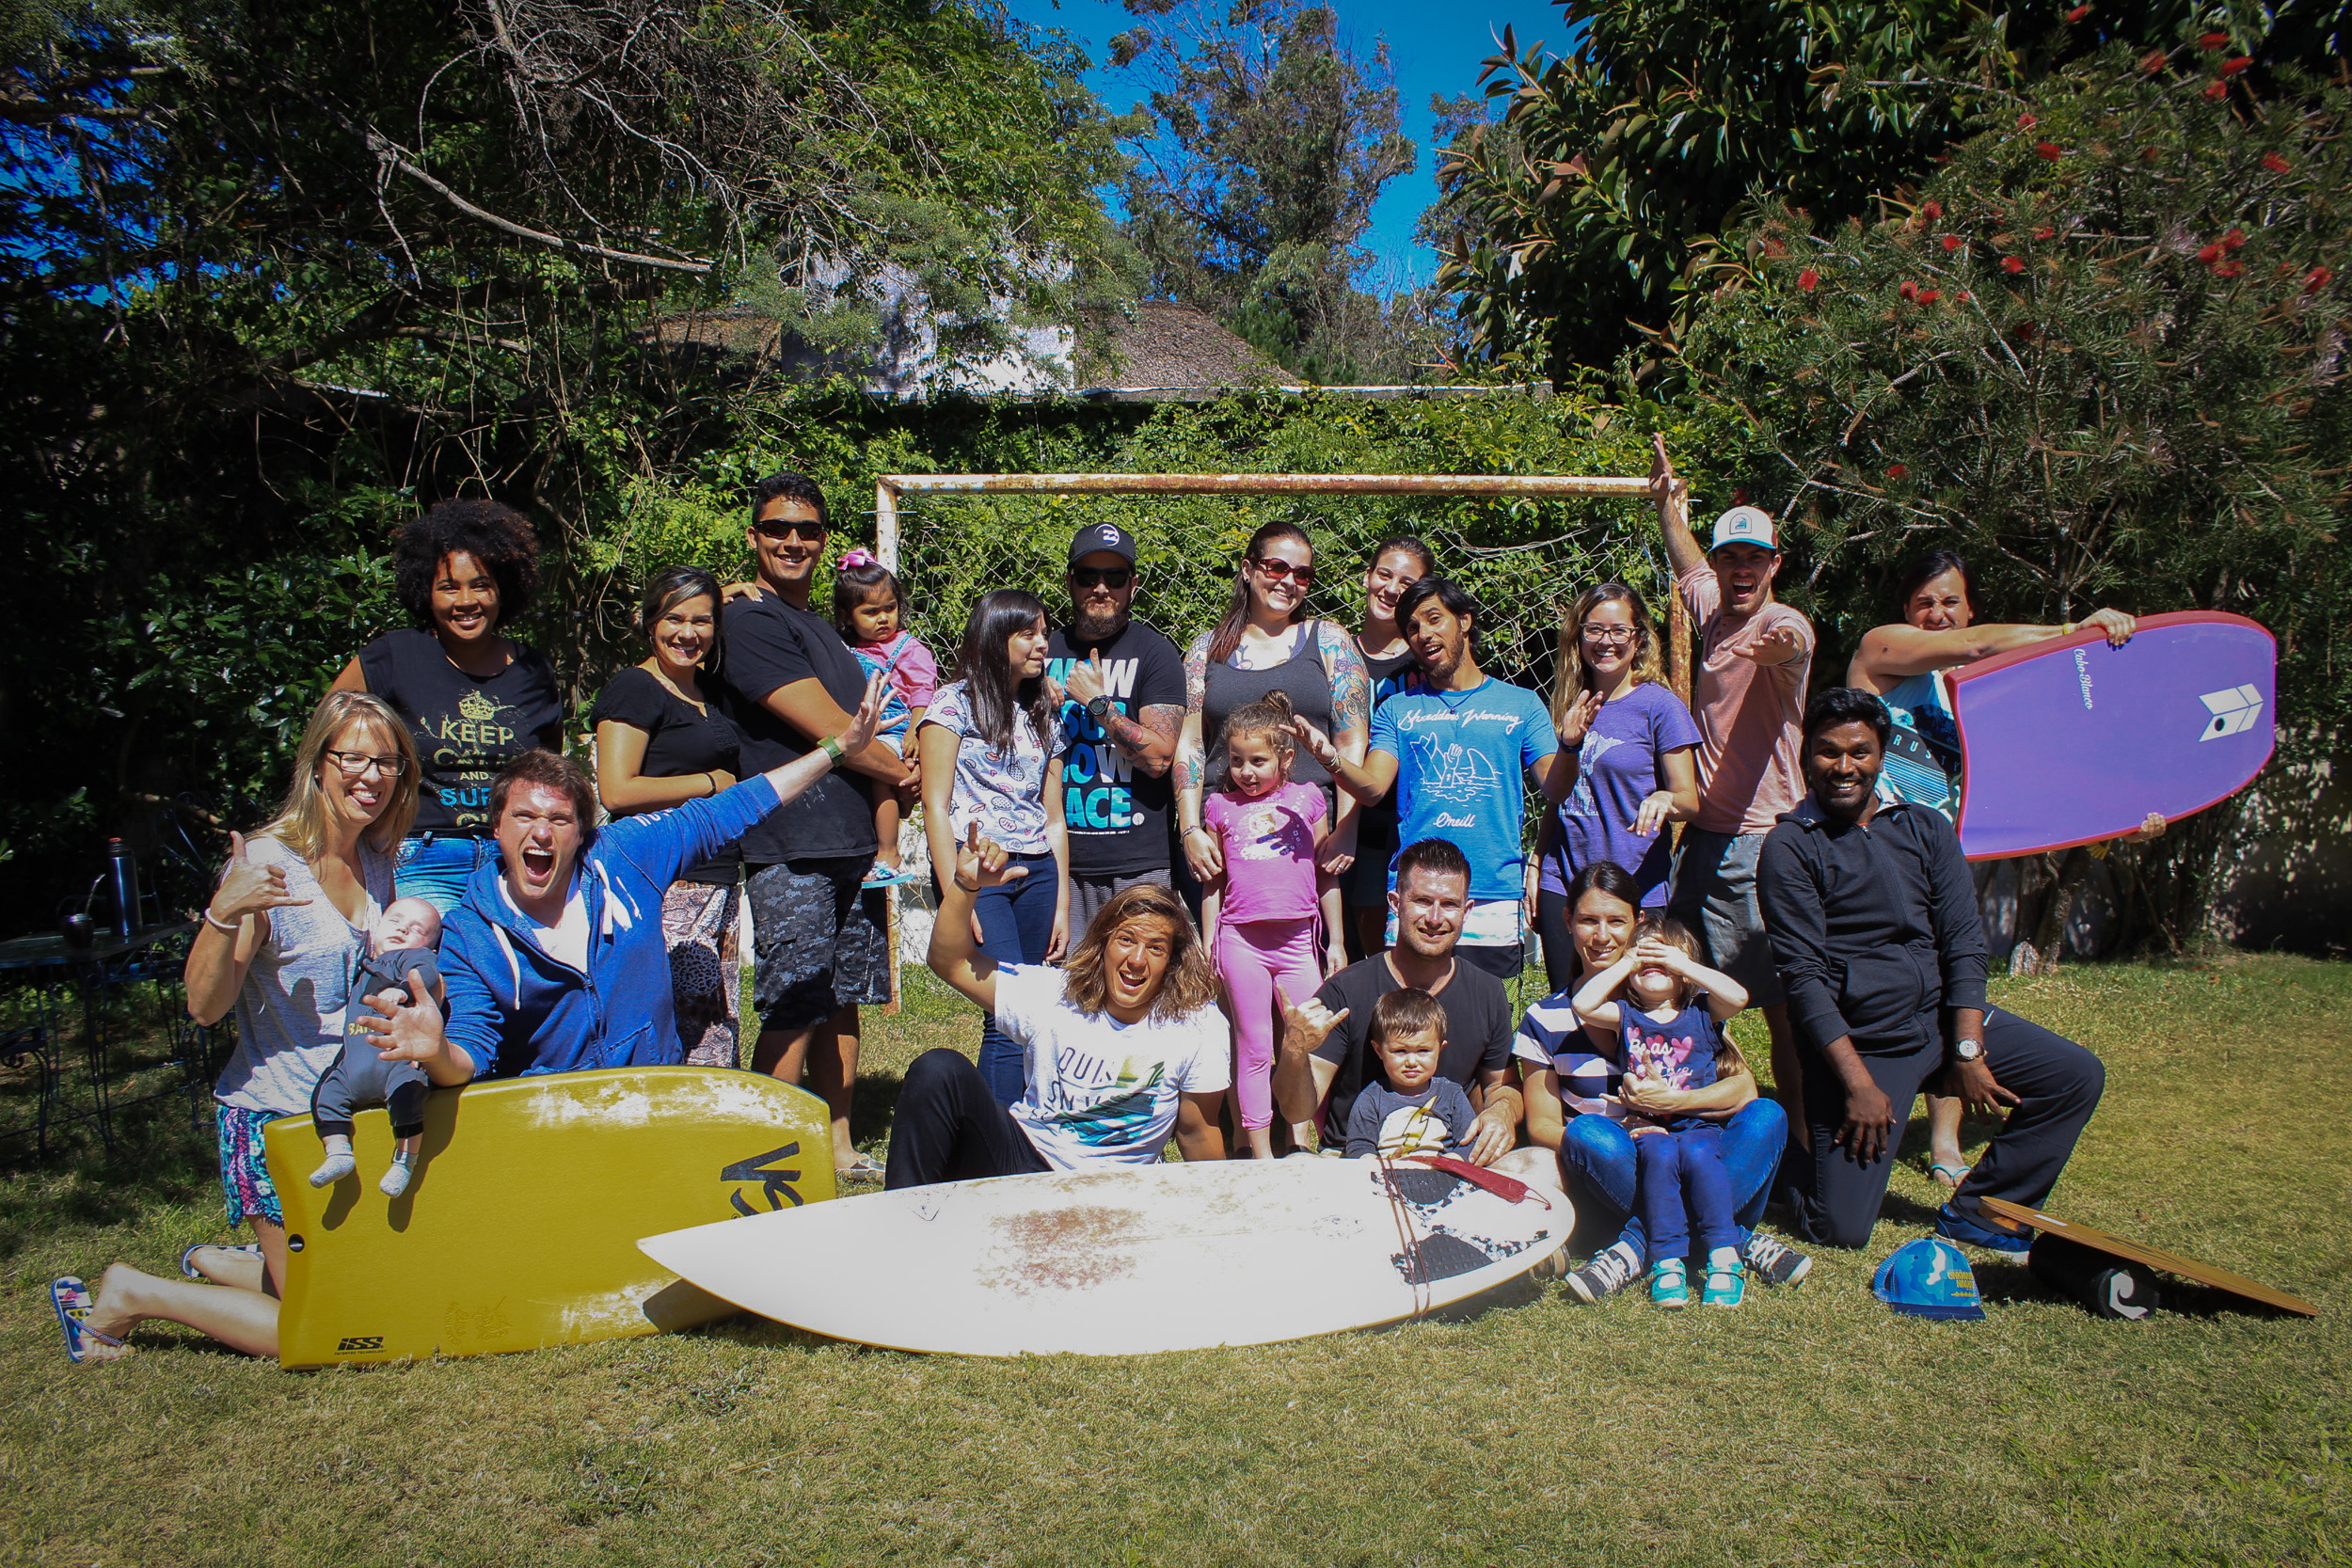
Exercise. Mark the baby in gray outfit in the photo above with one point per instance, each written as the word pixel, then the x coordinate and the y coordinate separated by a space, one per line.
pixel 403 963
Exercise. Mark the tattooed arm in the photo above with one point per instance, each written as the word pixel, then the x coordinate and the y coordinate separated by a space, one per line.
pixel 1351 722
pixel 1192 767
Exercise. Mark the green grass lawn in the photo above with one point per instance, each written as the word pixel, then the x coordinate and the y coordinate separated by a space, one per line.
pixel 1809 1427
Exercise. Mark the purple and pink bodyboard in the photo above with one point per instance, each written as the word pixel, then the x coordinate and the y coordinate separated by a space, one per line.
pixel 2073 741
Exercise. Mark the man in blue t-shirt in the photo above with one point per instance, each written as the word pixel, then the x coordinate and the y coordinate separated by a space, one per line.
pixel 1455 751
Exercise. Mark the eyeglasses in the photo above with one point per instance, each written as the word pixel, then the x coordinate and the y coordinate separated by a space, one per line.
pixel 1609 637
pixel 1278 570
pixel 780 530
pixel 1102 577
pixel 357 763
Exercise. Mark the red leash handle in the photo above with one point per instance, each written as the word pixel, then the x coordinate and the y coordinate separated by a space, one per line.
pixel 1506 1188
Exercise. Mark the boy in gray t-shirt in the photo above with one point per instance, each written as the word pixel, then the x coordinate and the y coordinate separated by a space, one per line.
pixel 1416 1112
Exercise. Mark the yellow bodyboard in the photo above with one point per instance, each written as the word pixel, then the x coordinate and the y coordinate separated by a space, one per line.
pixel 520 1227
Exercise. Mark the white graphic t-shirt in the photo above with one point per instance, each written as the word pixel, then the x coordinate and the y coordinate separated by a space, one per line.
pixel 1103 1092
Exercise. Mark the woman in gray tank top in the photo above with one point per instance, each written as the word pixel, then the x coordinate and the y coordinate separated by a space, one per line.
pixel 1266 642
pixel 281 942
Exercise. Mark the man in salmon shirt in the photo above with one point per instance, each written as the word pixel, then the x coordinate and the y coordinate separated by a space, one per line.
pixel 1748 696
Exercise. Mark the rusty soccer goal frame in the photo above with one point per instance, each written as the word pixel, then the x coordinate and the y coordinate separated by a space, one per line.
pixel 889 489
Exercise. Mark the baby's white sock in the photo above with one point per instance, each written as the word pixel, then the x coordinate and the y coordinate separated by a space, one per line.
pixel 339 1160
pixel 395 1177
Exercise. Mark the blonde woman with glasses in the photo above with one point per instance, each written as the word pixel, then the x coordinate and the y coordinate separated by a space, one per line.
pixel 1636 770
pixel 280 945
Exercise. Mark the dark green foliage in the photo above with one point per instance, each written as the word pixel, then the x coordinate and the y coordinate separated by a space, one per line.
pixel 1573 220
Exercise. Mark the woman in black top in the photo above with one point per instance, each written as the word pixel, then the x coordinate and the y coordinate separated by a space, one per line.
pixel 473 699
pixel 1265 643
pixel 661 742
pixel 1396 565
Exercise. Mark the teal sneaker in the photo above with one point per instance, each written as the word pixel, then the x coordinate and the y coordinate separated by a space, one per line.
pixel 1727 1283
pixel 1669 1285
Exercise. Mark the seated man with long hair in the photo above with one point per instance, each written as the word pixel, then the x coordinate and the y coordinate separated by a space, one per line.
pixel 1123 1045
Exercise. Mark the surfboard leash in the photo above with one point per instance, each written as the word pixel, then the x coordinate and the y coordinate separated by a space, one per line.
pixel 1416 1271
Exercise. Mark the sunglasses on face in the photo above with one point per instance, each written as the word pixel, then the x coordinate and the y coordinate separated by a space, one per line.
pixel 1278 570
pixel 781 530
pixel 1102 577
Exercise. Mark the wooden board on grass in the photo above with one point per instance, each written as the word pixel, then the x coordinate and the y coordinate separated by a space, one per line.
pixel 2155 1257
pixel 519 1229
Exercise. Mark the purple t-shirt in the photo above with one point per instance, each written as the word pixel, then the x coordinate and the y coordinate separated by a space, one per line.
pixel 1623 764
pixel 1269 851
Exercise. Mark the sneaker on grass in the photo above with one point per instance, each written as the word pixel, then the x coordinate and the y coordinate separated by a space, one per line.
pixel 1774 1262
pixel 1669 1284
pixel 1953 1225
pixel 1606 1274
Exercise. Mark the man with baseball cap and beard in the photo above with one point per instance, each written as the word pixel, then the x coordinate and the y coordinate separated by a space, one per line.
pixel 1755 654
pixel 1124 689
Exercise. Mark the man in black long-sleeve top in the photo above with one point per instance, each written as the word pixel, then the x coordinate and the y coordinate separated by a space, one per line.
pixel 1874 925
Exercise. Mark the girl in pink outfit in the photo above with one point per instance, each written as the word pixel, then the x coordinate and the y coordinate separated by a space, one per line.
pixel 870 609
pixel 1264 918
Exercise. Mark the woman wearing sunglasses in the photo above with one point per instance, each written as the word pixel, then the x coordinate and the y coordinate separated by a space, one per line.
pixel 1266 642
pixel 1636 762
pixel 473 698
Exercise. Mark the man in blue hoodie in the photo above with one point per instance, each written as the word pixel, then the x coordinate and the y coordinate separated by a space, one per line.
pixel 555 959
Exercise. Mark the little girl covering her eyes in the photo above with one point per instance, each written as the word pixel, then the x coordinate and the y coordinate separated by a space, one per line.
pixel 1667 1010
pixel 869 611
pixel 1263 913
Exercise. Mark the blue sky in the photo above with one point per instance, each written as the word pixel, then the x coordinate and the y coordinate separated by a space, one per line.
pixel 1433 48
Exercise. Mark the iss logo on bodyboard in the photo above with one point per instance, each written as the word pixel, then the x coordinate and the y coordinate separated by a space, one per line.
pixel 775 1185
pixel 351 1343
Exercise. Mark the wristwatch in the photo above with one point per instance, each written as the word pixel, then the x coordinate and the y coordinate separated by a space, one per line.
pixel 1968 1050
pixel 1097 708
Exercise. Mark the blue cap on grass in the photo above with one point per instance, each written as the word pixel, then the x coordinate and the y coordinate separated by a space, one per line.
pixel 1929 1278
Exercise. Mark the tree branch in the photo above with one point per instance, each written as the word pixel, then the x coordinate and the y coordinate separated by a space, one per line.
pixel 389 153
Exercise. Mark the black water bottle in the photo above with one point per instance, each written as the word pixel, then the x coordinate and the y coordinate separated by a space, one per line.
pixel 122 879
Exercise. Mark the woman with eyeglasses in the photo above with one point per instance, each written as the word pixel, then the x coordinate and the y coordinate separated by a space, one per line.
pixel 661 740
pixel 1636 762
pixel 281 944
pixel 473 698
pixel 1265 643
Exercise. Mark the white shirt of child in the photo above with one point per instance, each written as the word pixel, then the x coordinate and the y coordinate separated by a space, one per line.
pixel 1103 1092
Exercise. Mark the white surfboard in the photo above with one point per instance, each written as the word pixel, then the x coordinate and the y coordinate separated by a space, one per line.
pixel 1125 1263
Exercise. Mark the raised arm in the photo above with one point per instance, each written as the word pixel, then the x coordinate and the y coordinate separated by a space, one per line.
pixel 1149 740
pixel 1301 1078
pixel 1592 1000
pixel 1673 498
pixel 809 708
pixel 954 957
pixel 1891 654
pixel 236 924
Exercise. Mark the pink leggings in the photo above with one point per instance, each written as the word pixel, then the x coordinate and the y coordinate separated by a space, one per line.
pixel 1252 959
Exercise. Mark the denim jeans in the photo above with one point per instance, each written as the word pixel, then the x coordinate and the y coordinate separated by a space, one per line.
pixel 1016 927
pixel 1597 1156
pixel 438 867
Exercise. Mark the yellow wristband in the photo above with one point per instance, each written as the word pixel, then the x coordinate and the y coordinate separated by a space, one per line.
pixel 2067 630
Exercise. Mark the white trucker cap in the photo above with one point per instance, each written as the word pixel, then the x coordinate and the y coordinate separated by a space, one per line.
pixel 1745 525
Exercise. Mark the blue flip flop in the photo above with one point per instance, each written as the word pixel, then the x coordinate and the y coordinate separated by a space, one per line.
pixel 887 876
pixel 72 1300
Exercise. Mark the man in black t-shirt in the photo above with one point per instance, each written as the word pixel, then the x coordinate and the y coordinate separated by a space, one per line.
pixel 1126 689
pixel 820 942
pixel 1327 1056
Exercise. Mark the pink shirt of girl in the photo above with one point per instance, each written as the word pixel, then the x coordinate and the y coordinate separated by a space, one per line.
pixel 1269 851
pixel 912 672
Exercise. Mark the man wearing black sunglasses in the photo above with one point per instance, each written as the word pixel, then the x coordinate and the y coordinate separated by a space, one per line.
pixel 1124 689
pixel 791 680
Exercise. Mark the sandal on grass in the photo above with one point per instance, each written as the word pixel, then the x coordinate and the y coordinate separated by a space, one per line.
pixel 187 1258
pixel 863 1169
pixel 1949 1176
pixel 886 875
pixel 72 1300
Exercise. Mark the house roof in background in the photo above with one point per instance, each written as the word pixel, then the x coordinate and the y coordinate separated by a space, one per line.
pixel 1171 350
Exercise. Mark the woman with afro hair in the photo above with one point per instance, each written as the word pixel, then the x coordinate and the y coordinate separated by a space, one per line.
pixel 473 698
